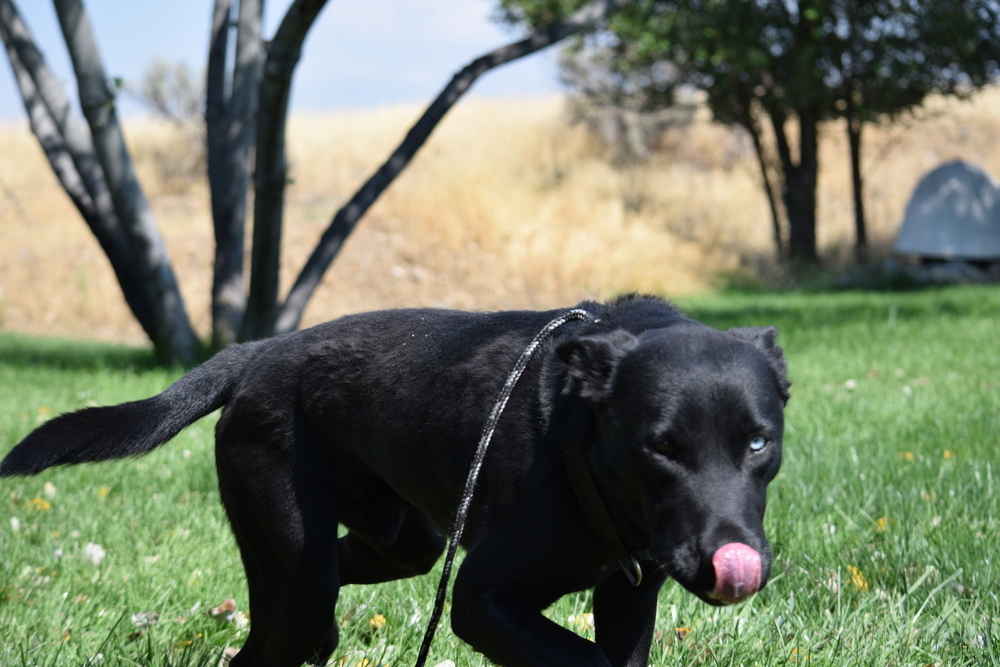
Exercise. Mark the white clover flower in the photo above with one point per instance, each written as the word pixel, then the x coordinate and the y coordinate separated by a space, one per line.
pixel 95 553
pixel 144 619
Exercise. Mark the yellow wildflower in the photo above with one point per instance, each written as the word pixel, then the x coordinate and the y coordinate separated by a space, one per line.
pixel 796 656
pixel 377 622
pixel 858 579
pixel 43 414
pixel 39 504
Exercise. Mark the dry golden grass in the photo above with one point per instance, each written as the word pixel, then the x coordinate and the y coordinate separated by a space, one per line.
pixel 505 207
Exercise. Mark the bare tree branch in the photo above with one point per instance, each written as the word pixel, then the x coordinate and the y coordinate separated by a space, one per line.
pixel 173 337
pixel 45 129
pixel 66 162
pixel 15 201
pixel 217 106
pixel 50 93
pixel 283 55
pixel 228 295
pixel 752 126
pixel 347 217
pixel 227 260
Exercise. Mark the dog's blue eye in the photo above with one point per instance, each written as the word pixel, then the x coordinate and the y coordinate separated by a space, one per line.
pixel 758 443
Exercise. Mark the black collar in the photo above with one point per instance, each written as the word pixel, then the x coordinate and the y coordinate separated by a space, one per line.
pixel 594 508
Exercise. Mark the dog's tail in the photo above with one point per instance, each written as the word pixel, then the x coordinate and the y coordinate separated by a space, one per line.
pixel 130 429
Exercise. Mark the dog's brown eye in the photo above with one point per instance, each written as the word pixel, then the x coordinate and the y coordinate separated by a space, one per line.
pixel 758 443
pixel 665 447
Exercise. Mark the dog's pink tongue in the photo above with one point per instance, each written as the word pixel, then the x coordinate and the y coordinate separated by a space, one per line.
pixel 737 573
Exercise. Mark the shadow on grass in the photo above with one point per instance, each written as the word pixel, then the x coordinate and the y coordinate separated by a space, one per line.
pixel 799 309
pixel 839 271
pixel 813 309
pixel 25 351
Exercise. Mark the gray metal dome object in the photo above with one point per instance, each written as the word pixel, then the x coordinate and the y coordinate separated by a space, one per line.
pixel 954 213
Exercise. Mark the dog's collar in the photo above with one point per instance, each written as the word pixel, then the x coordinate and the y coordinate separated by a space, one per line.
pixel 597 513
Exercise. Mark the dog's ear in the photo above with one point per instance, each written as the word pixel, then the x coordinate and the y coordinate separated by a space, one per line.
pixel 765 339
pixel 592 361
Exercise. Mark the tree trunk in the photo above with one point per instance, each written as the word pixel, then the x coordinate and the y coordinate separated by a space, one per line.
pixel 70 153
pixel 217 106
pixel 752 127
pixel 344 221
pixel 232 169
pixel 173 338
pixel 227 268
pixel 800 181
pixel 283 53
pixel 854 127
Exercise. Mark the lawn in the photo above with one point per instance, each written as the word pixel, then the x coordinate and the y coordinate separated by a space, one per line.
pixel 885 518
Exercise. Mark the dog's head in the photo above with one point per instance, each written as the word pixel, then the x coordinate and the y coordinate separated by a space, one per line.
pixel 687 432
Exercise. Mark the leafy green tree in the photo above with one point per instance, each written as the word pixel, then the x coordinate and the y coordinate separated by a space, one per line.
pixel 791 64
pixel 756 61
pixel 887 56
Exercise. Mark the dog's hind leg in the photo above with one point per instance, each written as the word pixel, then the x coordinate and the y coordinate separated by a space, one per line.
pixel 275 485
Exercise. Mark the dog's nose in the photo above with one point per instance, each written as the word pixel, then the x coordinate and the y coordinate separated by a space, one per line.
pixel 738 573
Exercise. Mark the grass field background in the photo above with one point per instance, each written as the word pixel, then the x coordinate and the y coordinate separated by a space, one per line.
pixel 885 518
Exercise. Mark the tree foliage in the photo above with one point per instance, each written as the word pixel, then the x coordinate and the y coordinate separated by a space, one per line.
pixel 172 92
pixel 628 108
pixel 887 56
pixel 790 64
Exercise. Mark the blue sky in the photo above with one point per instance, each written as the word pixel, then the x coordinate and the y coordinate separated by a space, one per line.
pixel 359 53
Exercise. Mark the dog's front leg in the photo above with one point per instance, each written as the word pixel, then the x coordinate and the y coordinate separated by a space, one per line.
pixel 624 618
pixel 513 633
pixel 501 617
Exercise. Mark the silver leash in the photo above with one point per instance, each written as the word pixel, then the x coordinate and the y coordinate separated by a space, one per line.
pixel 477 462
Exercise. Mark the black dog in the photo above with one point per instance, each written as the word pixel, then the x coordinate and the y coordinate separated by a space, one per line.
pixel 642 442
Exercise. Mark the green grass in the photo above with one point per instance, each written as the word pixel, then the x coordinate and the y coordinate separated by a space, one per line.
pixel 885 518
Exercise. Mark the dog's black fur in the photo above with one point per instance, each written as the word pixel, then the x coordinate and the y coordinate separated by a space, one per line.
pixel 371 421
